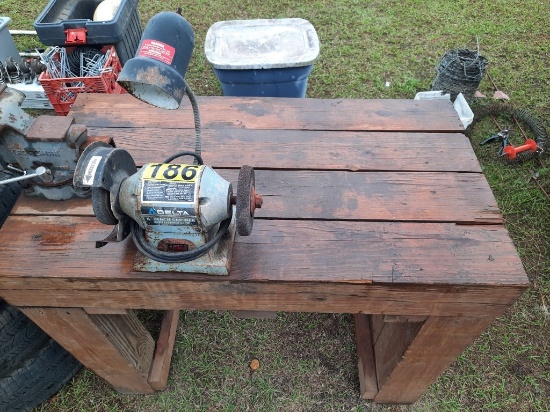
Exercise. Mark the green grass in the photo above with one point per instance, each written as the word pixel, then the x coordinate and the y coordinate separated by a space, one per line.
pixel 307 361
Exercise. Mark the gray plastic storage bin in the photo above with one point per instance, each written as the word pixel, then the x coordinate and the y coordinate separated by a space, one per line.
pixel 123 31
pixel 270 58
pixel 7 46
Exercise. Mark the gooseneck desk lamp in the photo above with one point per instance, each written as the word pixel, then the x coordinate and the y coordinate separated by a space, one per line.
pixel 156 74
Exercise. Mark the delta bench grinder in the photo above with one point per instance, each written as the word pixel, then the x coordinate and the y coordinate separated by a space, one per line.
pixel 182 217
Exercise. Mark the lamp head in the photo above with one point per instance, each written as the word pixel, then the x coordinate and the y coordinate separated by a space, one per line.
pixel 156 74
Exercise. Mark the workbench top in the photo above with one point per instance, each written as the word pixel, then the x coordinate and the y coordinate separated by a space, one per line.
pixel 370 206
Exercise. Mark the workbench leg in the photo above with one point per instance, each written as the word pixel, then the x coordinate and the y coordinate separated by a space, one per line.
pixel 158 376
pixel 365 353
pixel 410 356
pixel 116 347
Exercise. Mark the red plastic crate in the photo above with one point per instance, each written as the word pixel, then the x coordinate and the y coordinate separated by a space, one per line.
pixel 62 92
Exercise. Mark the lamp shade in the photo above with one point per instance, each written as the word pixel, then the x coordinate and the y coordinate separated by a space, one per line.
pixel 156 74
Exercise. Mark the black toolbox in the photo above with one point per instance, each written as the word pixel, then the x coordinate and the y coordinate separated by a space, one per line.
pixel 69 23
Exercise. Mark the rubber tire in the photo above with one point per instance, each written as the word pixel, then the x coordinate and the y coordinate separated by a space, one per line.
pixel 20 338
pixel 33 367
pixel 8 196
pixel 37 379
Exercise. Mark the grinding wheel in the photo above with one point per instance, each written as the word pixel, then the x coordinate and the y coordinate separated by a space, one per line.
pixel 245 198
pixel 101 203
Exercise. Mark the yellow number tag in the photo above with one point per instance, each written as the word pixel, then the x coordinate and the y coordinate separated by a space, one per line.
pixel 163 171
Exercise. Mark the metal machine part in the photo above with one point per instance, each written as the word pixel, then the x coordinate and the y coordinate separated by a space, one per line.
pixel 44 174
pixel 182 217
pixel 51 142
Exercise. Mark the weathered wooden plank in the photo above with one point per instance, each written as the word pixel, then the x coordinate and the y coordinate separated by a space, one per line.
pixel 160 367
pixel 393 340
pixel 280 250
pixel 441 197
pixel 437 344
pixel 365 352
pixel 295 149
pixel 272 113
pixel 337 195
pixel 325 297
pixel 116 347
pixel 379 252
pixel 41 207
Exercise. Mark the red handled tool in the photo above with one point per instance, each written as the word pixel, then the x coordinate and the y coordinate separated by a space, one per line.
pixel 511 151
pixel 507 149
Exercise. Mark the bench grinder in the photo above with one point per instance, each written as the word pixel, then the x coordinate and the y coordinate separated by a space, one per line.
pixel 182 217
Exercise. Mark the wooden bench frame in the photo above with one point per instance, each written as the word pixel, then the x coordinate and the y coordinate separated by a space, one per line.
pixel 372 207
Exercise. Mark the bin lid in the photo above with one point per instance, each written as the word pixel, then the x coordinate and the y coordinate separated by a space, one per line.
pixel 261 44
pixel 4 21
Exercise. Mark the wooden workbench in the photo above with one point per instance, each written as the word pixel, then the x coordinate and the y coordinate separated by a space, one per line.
pixel 373 207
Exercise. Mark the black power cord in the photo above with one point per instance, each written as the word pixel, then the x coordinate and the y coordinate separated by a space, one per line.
pixel 151 252
pixel 185 153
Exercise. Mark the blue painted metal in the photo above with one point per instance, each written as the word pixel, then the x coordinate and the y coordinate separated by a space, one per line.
pixel 50 141
pixel 216 262
pixel 172 210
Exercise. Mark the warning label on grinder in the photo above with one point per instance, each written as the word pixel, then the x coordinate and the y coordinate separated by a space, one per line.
pixel 152 220
pixel 91 169
pixel 166 191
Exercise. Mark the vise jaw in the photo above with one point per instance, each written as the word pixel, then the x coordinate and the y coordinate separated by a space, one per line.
pixel 53 142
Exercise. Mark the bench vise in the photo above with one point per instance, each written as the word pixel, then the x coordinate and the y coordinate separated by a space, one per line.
pixel 43 151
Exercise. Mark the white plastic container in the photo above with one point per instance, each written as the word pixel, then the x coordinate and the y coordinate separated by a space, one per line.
pixel 265 57
pixel 460 104
pixel 7 46
pixel 464 111
pixel 432 95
